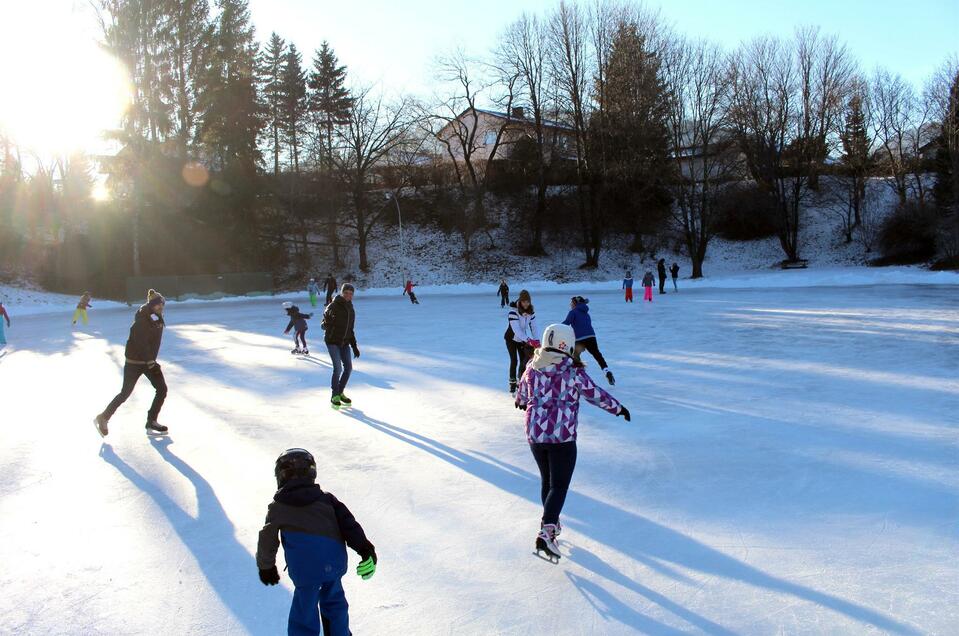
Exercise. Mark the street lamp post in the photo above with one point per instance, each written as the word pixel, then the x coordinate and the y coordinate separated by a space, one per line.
pixel 399 217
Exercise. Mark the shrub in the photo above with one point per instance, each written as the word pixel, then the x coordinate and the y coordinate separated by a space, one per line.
pixel 745 213
pixel 908 235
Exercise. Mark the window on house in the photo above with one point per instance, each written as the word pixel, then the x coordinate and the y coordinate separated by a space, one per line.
pixel 490 138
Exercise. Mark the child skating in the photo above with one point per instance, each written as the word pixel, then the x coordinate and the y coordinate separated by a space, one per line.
pixel 549 392
pixel 578 318
pixel 299 327
pixel 648 282
pixel 314 528
pixel 82 306
pixel 408 290
pixel 313 289
pixel 628 286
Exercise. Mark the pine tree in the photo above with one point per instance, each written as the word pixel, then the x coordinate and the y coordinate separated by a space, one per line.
pixel 271 78
pixel 294 104
pixel 856 157
pixel 329 99
pixel 946 163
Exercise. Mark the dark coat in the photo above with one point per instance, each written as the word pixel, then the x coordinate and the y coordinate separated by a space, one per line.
pixel 143 345
pixel 297 319
pixel 674 270
pixel 338 321
pixel 504 289
pixel 313 526
pixel 661 266
pixel 330 285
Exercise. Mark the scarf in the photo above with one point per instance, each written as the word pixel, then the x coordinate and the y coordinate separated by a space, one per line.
pixel 544 357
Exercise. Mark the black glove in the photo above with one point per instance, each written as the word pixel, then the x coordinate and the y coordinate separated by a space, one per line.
pixel 356 351
pixel 269 576
pixel 521 407
pixel 624 412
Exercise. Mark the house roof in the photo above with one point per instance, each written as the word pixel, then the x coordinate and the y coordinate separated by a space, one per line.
pixel 549 123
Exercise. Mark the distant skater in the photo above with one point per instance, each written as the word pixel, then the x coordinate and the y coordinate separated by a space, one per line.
pixel 503 293
pixel 550 392
pixel 142 348
pixel 299 327
pixel 674 272
pixel 6 317
pixel 628 286
pixel 313 288
pixel 82 306
pixel 648 282
pixel 408 290
pixel 329 286
pixel 520 336
pixel 661 268
pixel 578 318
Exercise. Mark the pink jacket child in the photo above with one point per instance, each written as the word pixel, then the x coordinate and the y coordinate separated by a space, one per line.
pixel 549 392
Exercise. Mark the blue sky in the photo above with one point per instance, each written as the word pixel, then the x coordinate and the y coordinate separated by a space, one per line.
pixel 394 41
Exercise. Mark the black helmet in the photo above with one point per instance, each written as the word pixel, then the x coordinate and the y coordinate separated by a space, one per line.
pixel 294 463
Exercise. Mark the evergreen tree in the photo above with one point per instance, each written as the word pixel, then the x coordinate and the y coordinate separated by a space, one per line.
pixel 294 104
pixel 329 99
pixel 946 188
pixel 271 78
pixel 187 27
pixel 856 156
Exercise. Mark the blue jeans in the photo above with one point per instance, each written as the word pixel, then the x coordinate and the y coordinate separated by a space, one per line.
pixel 342 358
pixel 305 616
pixel 3 337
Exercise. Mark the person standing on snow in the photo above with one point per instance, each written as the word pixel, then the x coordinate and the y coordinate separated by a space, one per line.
pixel 408 289
pixel 5 316
pixel 503 293
pixel 674 272
pixel 338 322
pixel 520 335
pixel 661 267
pixel 313 288
pixel 142 348
pixel 82 306
pixel 648 281
pixel 313 526
pixel 578 318
pixel 549 392
pixel 299 326
pixel 330 286
pixel 628 286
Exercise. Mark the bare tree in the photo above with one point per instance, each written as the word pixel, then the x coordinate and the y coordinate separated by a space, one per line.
pixel 373 129
pixel 460 126
pixel 870 220
pixel 785 105
pixel 696 76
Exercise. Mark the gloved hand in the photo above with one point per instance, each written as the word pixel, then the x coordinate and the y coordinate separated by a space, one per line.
pixel 533 343
pixel 367 568
pixel 356 351
pixel 269 576
pixel 521 407
pixel 624 412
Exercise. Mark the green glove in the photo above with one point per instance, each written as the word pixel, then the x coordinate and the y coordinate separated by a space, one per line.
pixel 366 569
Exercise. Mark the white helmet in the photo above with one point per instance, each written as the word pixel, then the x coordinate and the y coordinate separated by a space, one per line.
pixel 559 338
pixel 287 305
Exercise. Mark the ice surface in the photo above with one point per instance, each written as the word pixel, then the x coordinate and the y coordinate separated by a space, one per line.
pixel 791 467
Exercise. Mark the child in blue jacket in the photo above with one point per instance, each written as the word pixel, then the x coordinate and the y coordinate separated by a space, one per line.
pixel 578 318
pixel 313 526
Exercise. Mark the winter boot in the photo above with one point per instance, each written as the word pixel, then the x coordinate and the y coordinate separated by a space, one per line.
pixel 345 401
pixel 100 421
pixel 155 428
pixel 610 378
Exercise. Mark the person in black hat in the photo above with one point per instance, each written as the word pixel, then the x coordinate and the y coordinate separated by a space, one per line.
pixel 339 319
pixel 142 348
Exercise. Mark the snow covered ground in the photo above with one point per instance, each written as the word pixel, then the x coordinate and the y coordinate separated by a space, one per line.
pixel 792 467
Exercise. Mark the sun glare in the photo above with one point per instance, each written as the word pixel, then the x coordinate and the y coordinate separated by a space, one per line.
pixel 62 90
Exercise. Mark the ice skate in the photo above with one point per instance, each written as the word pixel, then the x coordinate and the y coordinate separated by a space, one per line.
pixel 546 547
pixel 101 423
pixel 610 378
pixel 155 428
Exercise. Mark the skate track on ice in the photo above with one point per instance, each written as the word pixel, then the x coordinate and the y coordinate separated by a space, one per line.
pixel 792 467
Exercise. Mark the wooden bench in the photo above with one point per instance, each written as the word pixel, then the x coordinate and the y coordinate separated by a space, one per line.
pixel 800 264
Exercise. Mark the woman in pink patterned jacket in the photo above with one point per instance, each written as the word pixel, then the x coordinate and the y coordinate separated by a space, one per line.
pixel 549 392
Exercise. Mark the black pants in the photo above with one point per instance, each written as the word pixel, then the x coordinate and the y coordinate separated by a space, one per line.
pixel 132 373
pixel 519 354
pixel 299 339
pixel 556 464
pixel 662 283
pixel 503 300
pixel 329 298
pixel 590 344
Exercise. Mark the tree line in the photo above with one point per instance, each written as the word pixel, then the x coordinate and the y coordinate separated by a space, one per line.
pixel 237 154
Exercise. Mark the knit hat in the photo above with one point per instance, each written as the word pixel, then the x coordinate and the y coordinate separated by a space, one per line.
pixel 347 287
pixel 155 299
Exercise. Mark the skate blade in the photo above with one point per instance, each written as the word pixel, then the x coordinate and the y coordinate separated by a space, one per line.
pixel 546 556
pixel 158 433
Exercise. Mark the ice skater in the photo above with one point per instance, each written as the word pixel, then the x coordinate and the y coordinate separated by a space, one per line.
pixel 578 318
pixel 142 348
pixel 674 272
pixel 661 269
pixel 648 282
pixel 5 317
pixel 314 528
pixel 408 290
pixel 313 288
pixel 299 327
pixel 329 285
pixel 520 335
pixel 503 292
pixel 628 286
pixel 549 392
pixel 339 320
pixel 82 306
